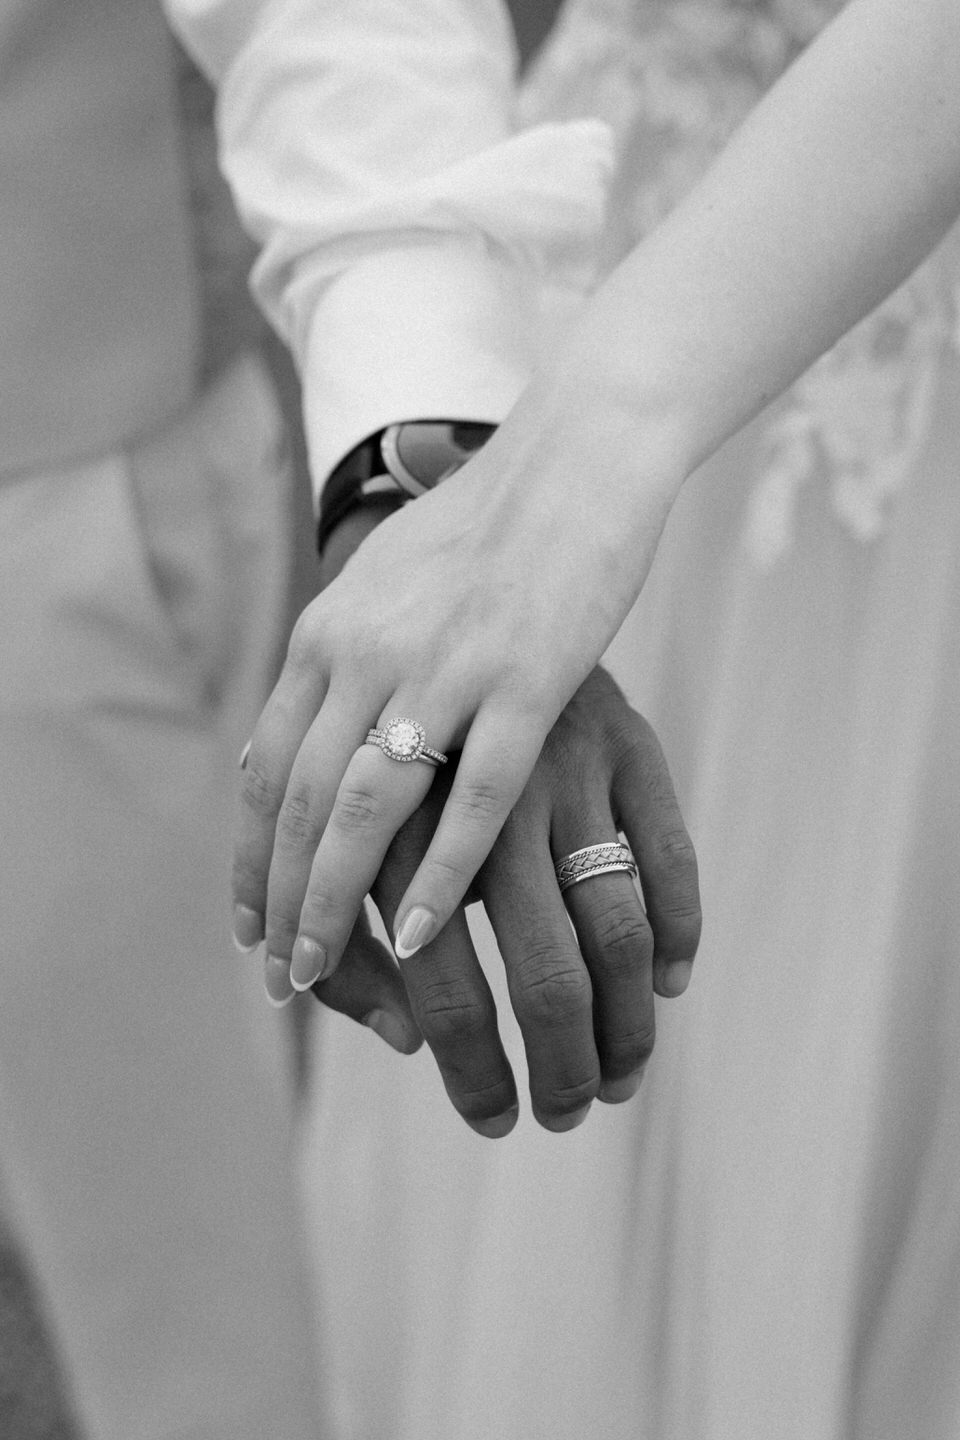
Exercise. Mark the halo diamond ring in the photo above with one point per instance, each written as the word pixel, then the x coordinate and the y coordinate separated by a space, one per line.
pixel 404 740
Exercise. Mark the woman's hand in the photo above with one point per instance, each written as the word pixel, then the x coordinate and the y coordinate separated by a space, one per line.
pixel 583 996
pixel 477 611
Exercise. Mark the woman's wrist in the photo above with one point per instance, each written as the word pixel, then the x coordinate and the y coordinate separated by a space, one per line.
pixel 348 535
pixel 595 430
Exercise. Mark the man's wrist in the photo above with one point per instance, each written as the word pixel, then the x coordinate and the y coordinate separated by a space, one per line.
pixel 397 464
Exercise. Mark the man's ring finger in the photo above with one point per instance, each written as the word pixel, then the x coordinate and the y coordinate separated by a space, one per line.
pixel 601 859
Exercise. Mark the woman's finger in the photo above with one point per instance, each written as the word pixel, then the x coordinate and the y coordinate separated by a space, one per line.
pixel 498 757
pixel 267 763
pixel 321 761
pixel 375 796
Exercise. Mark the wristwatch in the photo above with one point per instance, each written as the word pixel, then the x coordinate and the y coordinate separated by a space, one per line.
pixel 398 464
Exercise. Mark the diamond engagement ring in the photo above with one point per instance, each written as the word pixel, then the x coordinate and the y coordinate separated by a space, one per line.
pixel 592 860
pixel 404 740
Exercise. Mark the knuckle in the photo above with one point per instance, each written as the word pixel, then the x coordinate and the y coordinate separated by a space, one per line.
pixel 259 792
pixel 678 932
pixel 672 850
pixel 478 802
pixel 445 876
pixel 634 1049
pixel 672 887
pixel 298 822
pixel 634 743
pixel 449 1011
pixel 357 808
pixel 323 913
pixel 552 991
pixel 279 934
pixel 623 937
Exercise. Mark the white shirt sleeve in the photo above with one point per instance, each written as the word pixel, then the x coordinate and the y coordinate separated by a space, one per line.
pixel 371 149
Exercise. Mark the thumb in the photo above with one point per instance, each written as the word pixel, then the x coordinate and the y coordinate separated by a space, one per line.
pixel 367 986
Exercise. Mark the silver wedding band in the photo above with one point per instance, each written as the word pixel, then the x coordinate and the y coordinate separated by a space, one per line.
pixel 604 859
pixel 405 740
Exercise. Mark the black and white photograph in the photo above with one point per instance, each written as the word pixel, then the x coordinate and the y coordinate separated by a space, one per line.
pixel 479 695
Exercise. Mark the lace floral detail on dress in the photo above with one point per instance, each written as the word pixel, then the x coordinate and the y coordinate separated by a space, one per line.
pixel 860 416
pixel 674 78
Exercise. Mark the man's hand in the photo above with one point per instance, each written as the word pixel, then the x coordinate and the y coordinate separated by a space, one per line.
pixel 478 611
pixel 583 995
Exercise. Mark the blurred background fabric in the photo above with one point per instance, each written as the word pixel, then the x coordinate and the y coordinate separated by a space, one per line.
pixel 34 1398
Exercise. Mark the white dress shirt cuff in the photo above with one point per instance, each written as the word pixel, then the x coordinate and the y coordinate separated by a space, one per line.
pixel 434 312
pixel 437 329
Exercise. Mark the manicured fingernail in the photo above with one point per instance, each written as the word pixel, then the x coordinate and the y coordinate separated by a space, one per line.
pixel 245 755
pixel 499 1126
pixel 414 933
pixel 676 977
pixel 276 980
pixel 391 1029
pixel 559 1123
pixel 247 928
pixel 615 1092
pixel 307 963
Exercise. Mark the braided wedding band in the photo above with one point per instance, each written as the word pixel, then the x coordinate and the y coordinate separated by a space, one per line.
pixel 405 740
pixel 602 859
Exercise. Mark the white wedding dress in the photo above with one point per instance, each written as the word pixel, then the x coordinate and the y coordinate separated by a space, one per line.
pixel 765 1244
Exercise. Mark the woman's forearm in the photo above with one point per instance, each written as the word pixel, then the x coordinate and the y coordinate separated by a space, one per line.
pixel 839 183
pixel 482 607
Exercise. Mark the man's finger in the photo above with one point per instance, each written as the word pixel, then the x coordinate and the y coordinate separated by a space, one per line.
pixel 617 946
pixel 550 988
pixel 646 810
pixel 368 988
pixel 448 993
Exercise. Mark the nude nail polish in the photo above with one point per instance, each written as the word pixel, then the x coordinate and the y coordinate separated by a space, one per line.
pixel 307 963
pixel 276 980
pixel 247 928
pixel 415 931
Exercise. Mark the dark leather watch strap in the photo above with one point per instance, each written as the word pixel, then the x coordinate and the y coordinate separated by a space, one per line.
pixel 344 489
pixel 394 465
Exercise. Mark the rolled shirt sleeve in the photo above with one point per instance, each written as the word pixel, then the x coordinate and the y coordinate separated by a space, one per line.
pixel 373 151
